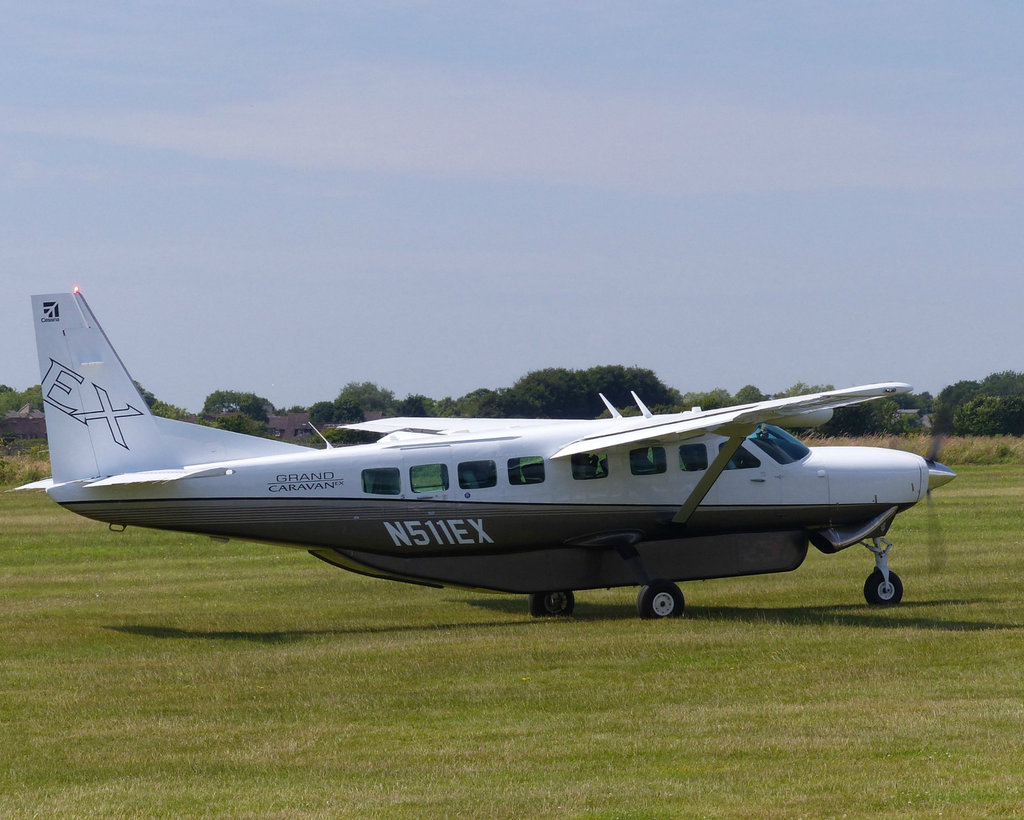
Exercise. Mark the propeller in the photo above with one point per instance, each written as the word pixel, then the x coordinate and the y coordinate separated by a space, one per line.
pixel 938 475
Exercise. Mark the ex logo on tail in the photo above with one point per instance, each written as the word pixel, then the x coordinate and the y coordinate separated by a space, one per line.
pixel 61 384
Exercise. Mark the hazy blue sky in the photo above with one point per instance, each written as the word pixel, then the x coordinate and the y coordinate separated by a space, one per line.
pixel 287 196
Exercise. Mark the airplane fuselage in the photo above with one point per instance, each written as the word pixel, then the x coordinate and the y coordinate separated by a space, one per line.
pixel 515 505
pixel 403 506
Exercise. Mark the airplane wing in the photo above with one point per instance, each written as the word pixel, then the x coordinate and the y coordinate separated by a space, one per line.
pixel 732 421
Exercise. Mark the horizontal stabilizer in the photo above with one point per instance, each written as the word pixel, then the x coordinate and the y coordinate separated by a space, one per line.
pixel 160 476
pixel 43 484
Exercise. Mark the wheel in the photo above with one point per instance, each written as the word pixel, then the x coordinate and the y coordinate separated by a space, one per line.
pixel 879 593
pixel 545 604
pixel 660 599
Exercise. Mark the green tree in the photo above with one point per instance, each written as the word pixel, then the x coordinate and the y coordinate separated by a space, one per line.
pixel 255 407
pixel 990 416
pixel 168 411
pixel 948 400
pixel 147 397
pixel 749 394
pixel 555 392
pixel 617 383
pixel 340 437
pixel 415 406
pixel 881 417
pixel 11 399
pixel 446 407
pixel 321 412
pixel 1004 383
pixel 560 393
pixel 369 397
pixel 710 400
pixel 802 389
pixel 241 423
pixel 483 403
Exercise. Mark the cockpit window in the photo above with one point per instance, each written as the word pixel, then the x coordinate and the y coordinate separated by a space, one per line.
pixel 778 444
pixel 741 459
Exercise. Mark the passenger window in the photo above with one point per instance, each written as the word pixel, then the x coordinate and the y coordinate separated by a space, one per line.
pixel 382 481
pixel 526 470
pixel 693 457
pixel 586 466
pixel 475 475
pixel 647 461
pixel 741 459
pixel 428 478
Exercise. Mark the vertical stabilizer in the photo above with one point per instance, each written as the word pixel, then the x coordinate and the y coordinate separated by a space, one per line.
pixel 96 421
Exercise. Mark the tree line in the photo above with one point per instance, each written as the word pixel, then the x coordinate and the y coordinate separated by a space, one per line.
pixel 991 406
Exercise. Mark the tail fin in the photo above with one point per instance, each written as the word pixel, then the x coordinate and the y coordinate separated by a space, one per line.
pixel 96 422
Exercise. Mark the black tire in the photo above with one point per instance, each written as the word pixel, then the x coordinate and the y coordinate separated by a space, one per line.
pixel 660 599
pixel 552 604
pixel 878 593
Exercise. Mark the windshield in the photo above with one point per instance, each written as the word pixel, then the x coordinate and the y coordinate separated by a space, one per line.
pixel 778 444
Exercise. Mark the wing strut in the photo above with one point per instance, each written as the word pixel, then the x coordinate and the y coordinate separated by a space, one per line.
pixel 712 473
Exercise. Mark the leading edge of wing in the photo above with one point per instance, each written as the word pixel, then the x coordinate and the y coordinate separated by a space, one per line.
pixel 740 419
pixel 446 426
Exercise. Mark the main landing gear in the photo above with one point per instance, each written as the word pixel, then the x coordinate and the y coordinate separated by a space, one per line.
pixel 544 604
pixel 660 599
pixel 657 599
pixel 882 588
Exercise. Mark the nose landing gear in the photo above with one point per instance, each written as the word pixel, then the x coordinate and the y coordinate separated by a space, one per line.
pixel 882 588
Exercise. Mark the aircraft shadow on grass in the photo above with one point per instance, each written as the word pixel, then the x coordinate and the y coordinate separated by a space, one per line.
pixel 909 615
pixel 285 636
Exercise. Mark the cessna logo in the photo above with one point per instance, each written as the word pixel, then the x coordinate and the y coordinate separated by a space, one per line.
pixel 61 388
pixel 51 312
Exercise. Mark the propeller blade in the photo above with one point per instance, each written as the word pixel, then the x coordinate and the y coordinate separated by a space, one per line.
pixel 938 475
pixel 933 449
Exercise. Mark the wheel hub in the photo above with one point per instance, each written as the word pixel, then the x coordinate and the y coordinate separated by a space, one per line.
pixel 663 604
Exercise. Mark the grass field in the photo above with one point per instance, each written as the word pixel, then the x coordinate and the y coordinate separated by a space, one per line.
pixel 154 674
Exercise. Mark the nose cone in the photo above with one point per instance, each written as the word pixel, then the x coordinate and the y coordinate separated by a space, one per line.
pixel 938 474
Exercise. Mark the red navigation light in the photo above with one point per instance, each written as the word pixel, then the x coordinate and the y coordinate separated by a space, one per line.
pixel 77 289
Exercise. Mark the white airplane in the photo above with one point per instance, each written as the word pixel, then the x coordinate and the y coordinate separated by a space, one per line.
pixel 536 507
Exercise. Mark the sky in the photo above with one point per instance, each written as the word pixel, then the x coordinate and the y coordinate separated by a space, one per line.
pixel 285 197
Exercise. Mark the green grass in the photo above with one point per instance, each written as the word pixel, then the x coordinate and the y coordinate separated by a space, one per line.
pixel 156 674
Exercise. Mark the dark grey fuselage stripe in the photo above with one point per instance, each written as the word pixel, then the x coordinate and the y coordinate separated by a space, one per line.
pixel 363 525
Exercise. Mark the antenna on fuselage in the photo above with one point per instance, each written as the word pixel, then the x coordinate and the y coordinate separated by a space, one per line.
pixel 329 445
pixel 611 409
pixel 643 407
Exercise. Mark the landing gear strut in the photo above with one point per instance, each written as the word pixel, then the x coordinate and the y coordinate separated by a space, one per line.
pixel 882 588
